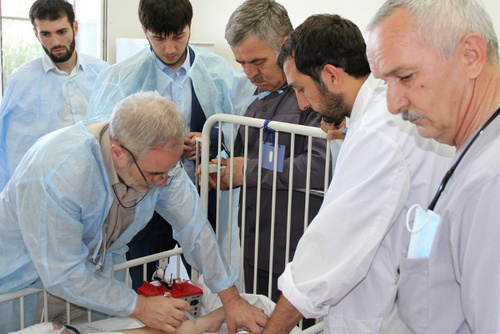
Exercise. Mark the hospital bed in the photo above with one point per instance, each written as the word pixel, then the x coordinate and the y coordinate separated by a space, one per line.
pixel 227 209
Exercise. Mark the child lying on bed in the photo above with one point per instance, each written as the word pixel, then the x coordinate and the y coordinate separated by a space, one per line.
pixel 207 323
pixel 212 319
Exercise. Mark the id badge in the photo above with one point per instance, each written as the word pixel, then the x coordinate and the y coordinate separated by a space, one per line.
pixel 423 232
pixel 268 156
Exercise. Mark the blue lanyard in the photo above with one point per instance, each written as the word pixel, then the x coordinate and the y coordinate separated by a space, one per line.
pixel 450 172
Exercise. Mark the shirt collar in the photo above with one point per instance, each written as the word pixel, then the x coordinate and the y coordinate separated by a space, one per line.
pixel 181 70
pixel 48 65
pixel 106 153
pixel 364 96
pixel 259 94
pixel 125 193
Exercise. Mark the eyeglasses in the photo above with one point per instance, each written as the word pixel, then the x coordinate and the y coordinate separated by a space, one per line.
pixel 145 180
pixel 174 171
pixel 137 165
pixel 170 173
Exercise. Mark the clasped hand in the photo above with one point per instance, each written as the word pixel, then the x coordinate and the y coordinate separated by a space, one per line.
pixel 333 130
pixel 160 312
pixel 225 173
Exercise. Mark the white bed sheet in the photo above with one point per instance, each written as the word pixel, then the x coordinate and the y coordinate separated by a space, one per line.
pixel 209 303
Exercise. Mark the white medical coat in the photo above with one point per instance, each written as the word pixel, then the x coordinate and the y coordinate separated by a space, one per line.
pixel 37 101
pixel 457 288
pixel 346 264
pixel 53 211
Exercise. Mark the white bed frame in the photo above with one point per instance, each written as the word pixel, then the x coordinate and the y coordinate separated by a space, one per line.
pixel 217 120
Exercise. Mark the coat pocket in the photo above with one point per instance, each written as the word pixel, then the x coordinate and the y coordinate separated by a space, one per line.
pixel 412 293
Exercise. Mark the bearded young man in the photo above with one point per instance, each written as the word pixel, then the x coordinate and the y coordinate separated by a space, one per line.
pixel 49 92
pixel 346 265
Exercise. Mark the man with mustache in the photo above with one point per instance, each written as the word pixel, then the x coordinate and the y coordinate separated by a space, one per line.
pixel 346 265
pixel 49 92
pixel 255 32
pixel 440 58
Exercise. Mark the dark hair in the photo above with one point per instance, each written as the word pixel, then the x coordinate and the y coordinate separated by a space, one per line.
pixel 326 39
pixel 165 17
pixel 51 10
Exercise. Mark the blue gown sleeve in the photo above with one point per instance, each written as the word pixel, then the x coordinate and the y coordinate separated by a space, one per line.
pixel 181 206
pixel 61 209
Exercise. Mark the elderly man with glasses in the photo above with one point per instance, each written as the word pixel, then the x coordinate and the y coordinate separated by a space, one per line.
pixel 82 193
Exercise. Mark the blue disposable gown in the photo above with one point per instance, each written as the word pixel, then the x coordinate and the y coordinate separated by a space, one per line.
pixel 36 102
pixel 212 78
pixel 211 75
pixel 53 211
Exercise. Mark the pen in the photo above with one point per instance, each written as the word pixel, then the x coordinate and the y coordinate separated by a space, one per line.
pixel 188 315
pixel 224 147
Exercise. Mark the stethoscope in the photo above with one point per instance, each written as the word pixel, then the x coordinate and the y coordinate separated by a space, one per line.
pixel 450 172
pixel 100 263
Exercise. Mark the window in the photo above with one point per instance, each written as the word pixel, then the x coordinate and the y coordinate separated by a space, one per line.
pixel 89 15
pixel 18 41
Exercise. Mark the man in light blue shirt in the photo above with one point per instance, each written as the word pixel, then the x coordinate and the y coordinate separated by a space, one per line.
pixel 96 185
pixel 49 92
pixel 198 82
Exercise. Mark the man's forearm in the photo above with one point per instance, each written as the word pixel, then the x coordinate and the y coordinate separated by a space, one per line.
pixel 229 295
pixel 284 317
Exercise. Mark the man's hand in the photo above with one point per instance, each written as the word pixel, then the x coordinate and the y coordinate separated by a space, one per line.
pixel 285 316
pixel 212 177
pixel 225 173
pixel 238 176
pixel 161 312
pixel 333 130
pixel 190 145
pixel 239 313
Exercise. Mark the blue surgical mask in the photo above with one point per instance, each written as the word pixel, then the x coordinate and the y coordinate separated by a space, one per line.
pixel 423 231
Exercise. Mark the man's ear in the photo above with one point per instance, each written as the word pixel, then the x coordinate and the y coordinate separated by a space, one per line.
pixel 331 76
pixel 474 53
pixel 117 152
pixel 284 40
pixel 75 28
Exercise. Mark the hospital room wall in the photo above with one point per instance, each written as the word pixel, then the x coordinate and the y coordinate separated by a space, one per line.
pixel 210 18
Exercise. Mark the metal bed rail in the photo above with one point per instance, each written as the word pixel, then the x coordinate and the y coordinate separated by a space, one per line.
pixel 219 120
pixel 235 122
pixel 21 294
